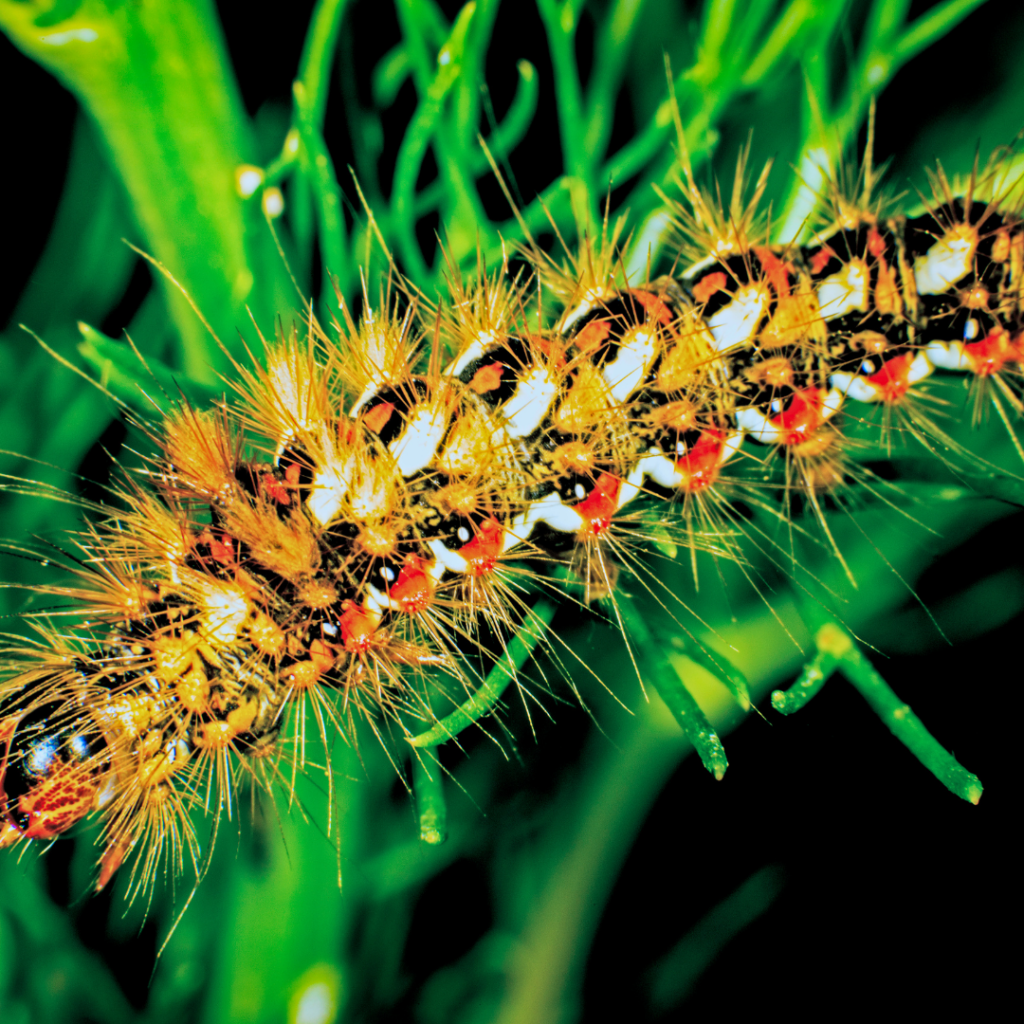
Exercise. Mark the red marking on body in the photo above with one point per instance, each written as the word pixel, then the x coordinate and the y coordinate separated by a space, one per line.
pixel 487 378
pixel 699 466
pixel 221 545
pixel 802 417
pixel 357 626
pixel 553 349
pixel 592 335
pixel 274 489
pixel 377 417
pixel 292 474
pixel 776 270
pixel 482 552
pixel 64 796
pixel 414 589
pixel 876 243
pixel 821 259
pixel 654 307
pixel 893 379
pixel 596 510
pixel 708 285
pixel 991 354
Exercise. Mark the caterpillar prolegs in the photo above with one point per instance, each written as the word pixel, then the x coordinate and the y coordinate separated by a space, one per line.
pixel 358 533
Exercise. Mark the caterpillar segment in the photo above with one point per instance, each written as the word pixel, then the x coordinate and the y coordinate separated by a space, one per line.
pixel 360 522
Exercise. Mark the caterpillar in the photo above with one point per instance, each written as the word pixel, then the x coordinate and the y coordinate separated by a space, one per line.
pixel 358 534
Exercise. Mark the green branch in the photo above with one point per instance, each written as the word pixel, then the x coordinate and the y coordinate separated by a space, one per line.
pixel 483 700
pixel 838 651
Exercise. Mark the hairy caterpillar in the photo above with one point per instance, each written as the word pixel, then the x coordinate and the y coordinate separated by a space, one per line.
pixel 358 534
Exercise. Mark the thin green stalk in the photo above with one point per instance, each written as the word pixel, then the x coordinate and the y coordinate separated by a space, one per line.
pixel 908 728
pixel 692 720
pixel 933 25
pixel 319 170
pixel 428 785
pixel 414 146
pixel 318 57
pixel 423 28
pixel 673 978
pixel 481 701
pixel 560 24
pixel 838 651
pixel 780 41
pixel 615 34
pixel 143 385
pixel 812 678
pixel 666 670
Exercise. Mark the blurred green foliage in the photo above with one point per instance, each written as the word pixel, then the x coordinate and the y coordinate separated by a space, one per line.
pixel 159 158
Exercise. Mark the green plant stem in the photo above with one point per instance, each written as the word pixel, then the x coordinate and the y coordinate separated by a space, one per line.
pixel 666 671
pixel 318 57
pixel 694 723
pixel 414 147
pixel 838 651
pixel 145 386
pixel 812 678
pixel 560 23
pixel 519 649
pixel 156 80
pixel 428 785
pixel 319 170
pixel 506 136
pixel 615 34
pixel 908 728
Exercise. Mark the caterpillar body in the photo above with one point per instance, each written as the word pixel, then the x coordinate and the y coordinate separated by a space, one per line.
pixel 364 515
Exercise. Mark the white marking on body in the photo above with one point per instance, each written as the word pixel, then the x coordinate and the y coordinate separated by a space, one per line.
pixel 327 491
pixel 844 291
pixel 832 403
pixel 946 262
pixel 476 349
pixel 854 386
pixel 551 510
pixel 737 322
pixel 733 443
pixel 446 558
pixel 414 449
pixel 920 368
pixel 661 469
pixel 525 410
pixel 626 372
pixel 948 355
pixel 757 425
pixel 590 301
pixel 630 487
pixel 226 610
